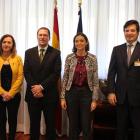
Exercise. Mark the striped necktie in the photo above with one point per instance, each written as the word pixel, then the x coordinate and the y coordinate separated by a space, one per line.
pixel 129 54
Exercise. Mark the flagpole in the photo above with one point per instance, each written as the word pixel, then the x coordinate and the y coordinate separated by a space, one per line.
pixel 80 2
pixel 55 3
pixel 56 45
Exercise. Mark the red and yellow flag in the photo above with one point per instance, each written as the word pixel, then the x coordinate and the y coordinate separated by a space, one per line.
pixel 55 38
pixel 56 45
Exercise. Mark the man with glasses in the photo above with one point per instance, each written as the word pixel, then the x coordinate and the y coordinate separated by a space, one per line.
pixel 42 69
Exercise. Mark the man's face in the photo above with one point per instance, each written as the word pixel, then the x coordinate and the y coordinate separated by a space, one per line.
pixel 43 38
pixel 131 33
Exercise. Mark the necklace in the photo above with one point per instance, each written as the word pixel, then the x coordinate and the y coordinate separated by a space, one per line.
pixel 81 61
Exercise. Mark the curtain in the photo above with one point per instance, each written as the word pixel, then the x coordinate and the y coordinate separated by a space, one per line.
pixel 103 22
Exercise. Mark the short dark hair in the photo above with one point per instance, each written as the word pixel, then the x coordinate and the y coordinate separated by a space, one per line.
pixel 87 46
pixel 13 50
pixel 44 29
pixel 130 22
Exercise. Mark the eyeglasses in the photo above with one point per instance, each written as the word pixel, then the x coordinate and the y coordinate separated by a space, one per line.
pixel 43 35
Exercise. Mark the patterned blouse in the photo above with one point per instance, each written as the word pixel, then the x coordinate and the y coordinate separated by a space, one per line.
pixel 92 74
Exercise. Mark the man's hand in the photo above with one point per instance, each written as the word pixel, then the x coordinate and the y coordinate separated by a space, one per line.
pixel 36 89
pixel 63 104
pixel 6 96
pixel 93 106
pixel 39 95
pixel 112 99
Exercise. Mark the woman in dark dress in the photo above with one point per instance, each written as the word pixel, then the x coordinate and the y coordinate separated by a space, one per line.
pixel 11 78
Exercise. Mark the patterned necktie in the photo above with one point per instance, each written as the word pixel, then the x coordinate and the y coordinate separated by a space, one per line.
pixel 129 54
pixel 41 55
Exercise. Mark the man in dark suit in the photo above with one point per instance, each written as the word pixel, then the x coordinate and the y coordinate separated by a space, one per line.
pixel 124 82
pixel 42 69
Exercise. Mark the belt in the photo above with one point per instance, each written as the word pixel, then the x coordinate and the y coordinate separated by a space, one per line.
pixel 80 88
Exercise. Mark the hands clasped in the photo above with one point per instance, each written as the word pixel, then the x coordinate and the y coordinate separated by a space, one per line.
pixel 6 96
pixel 37 91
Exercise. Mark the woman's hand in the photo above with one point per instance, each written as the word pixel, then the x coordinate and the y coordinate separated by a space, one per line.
pixel 63 104
pixel 6 96
pixel 93 106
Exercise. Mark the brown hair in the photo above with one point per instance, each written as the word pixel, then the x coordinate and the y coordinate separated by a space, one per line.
pixel 44 29
pixel 13 50
pixel 86 47
pixel 130 22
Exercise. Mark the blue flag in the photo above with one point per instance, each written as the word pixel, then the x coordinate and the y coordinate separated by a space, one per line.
pixel 79 29
pixel 80 26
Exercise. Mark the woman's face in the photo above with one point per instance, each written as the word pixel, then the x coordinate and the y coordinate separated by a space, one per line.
pixel 7 44
pixel 80 43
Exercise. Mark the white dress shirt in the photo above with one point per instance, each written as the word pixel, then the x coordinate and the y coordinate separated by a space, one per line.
pixel 133 47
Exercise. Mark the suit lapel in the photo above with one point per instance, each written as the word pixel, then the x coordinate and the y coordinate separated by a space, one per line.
pixel 47 54
pixel 36 56
pixel 123 51
pixel 135 53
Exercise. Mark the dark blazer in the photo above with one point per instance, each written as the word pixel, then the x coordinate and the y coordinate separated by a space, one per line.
pixel 122 79
pixel 46 74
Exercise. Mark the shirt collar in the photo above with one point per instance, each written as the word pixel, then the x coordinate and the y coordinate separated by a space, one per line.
pixel 134 43
pixel 42 48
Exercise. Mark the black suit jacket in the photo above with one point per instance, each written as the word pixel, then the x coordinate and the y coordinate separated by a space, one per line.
pixel 122 79
pixel 46 74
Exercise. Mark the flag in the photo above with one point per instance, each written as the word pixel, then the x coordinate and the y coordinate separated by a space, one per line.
pixel 80 26
pixel 79 29
pixel 56 45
